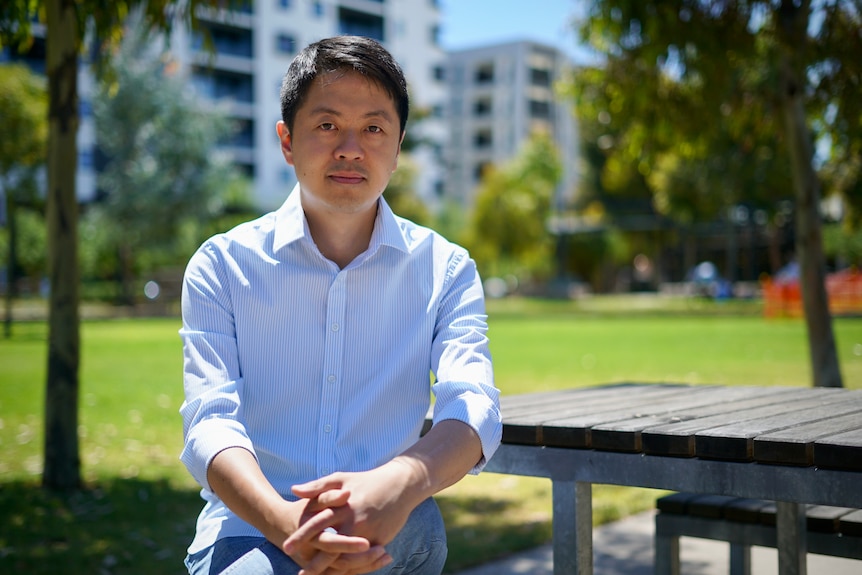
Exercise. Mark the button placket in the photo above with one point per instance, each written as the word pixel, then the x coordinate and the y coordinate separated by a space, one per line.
pixel 332 369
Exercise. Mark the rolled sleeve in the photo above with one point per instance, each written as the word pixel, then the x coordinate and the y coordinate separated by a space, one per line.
pixel 479 410
pixel 465 389
pixel 211 376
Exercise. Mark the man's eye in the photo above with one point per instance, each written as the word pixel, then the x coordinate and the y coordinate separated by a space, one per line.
pixel 327 126
pixel 375 129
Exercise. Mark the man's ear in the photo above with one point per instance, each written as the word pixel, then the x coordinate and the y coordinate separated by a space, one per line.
pixel 398 152
pixel 286 141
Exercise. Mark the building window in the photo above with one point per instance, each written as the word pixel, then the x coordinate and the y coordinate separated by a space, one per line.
pixel 482 106
pixel 540 109
pixel 483 138
pixel 285 43
pixel 479 170
pixel 219 84
pixel 539 77
pixel 439 73
pixel 485 73
pixel 435 35
pixel 317 8
pixel 227 40
pixel 439 188
pixel 355 23
pixel 284 4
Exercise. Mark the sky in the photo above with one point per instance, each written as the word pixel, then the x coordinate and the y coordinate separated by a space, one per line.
pixel 471 23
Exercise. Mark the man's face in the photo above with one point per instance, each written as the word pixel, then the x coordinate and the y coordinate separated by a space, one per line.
pixel 344 144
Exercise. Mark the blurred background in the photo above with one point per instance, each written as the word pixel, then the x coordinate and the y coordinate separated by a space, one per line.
pixel 574 147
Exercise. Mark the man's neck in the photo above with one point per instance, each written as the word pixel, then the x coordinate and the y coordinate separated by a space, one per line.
pixel 341 237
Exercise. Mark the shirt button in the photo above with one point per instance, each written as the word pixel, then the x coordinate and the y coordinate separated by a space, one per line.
pixel 331 379
pixel 335 327
pixel 327 428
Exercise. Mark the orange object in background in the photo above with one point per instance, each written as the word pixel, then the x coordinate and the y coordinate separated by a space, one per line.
pixel 783 298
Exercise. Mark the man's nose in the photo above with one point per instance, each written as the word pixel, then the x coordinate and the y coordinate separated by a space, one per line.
pixel 350 147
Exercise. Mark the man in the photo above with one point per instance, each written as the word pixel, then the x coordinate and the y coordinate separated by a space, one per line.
pixel 308 338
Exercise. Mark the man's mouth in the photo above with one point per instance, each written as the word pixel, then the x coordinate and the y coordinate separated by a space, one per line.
pixel 347 178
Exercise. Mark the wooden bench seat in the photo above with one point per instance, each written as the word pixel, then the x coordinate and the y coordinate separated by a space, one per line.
pixel 835 531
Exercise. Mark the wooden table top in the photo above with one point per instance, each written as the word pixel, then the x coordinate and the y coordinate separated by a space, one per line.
pixel 819 427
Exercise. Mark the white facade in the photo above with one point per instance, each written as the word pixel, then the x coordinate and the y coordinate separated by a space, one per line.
pixel 498 96
pixel 254 50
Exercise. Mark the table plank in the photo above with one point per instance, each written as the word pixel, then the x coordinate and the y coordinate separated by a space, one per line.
pixel 677 439
pixel 526 426
pixel 795 445
pixel 574 431
pixel 840 451
pixel 736 441
pixel 625 435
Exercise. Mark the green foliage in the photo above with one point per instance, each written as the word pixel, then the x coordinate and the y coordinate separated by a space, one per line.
pixel 401 193
pixel 162 167
pixel 843 244
pixel 508 233
pixel 23 118
pixel 685 103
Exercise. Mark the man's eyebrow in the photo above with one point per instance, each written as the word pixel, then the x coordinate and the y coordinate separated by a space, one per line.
pixel 323 110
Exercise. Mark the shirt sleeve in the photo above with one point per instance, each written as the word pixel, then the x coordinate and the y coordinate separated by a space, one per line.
pixel 461 360
pixel 212 379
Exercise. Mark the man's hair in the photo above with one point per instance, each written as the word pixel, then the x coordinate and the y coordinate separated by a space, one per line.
pixel 343 54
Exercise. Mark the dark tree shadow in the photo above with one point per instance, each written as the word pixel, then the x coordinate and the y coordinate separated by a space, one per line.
pixel 122 526
pixel 140 527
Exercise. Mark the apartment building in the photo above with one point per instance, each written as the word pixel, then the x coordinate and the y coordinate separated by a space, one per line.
pixel 498 96
pixel 253 48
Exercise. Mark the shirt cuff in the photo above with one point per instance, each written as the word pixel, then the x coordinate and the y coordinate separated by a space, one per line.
pixel 207 439
pixel 482 413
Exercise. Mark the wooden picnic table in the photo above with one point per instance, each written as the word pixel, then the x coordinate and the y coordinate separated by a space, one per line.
pixel 793 445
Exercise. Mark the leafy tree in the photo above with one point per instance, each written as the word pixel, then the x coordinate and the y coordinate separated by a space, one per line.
pixel 708 101
pixel 401 192
pixel 23 107
pixel 508 232
pixel 66 24
pixel 159 141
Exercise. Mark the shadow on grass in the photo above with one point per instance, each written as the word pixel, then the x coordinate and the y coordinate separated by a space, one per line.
pixel 138 527
pixel 122 526
pixel 482 528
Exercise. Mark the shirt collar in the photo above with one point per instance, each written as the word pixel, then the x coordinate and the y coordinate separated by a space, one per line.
pixel 291 225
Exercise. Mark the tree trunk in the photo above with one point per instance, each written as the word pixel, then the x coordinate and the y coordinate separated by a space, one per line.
pixel 62 466
pixel 12 265
pixel 809 242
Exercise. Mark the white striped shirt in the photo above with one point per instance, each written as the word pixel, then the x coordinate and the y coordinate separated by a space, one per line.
pixel 316 369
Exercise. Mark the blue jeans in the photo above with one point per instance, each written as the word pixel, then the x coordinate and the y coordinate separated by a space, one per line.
pixel 418 549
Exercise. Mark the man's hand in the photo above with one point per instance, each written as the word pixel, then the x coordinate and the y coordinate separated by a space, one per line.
pixel 377 506
pixel 324 551
pixel 236 478
pixel 381 500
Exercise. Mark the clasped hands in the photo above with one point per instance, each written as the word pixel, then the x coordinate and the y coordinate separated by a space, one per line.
pixel 345 521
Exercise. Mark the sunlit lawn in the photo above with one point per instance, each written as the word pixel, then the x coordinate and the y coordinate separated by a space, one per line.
pixel 138 514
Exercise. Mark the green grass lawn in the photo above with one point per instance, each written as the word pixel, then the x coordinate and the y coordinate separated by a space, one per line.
pixel 137 515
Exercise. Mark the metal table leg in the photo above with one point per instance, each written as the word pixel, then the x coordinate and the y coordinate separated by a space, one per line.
pixel 573 527
pixel 792 538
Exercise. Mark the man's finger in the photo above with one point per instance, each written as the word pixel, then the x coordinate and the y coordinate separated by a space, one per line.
pixel 319 564
pixel 316 487
pixel 372 560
